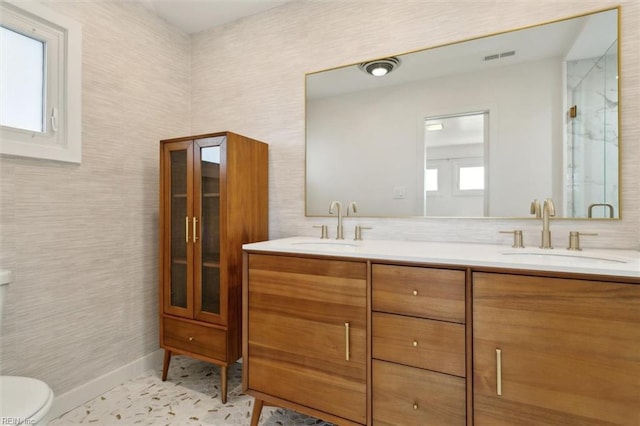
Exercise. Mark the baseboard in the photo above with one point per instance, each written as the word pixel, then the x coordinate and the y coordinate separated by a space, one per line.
pixel 78 396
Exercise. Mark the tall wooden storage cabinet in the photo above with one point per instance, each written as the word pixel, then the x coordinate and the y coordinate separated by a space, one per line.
pixel 213 199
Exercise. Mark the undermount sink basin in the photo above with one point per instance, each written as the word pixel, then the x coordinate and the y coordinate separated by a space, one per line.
pixel 563 256
pixel 324 244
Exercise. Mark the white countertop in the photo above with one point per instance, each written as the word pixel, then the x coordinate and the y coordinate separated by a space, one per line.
pixel 625 263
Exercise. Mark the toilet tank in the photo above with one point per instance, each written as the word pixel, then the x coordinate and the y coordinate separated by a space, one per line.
pixel 5 279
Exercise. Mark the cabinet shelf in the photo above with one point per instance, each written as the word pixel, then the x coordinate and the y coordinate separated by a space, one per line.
pixel 211 195
pixel 179 195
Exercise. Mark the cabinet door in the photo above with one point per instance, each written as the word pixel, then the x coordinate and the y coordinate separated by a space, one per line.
pixel 210 291
pixel 177 240
pixel 555 351
pixel 307 332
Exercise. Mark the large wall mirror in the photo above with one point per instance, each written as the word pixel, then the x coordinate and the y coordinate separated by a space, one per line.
pixel 478 128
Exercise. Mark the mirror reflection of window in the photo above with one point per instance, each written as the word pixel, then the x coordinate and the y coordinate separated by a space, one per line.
pixel 471 178
pixel 431 180
pixel 455 180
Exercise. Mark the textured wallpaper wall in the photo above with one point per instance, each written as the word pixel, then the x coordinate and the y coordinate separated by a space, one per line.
pixel 82 239
pixel 249 77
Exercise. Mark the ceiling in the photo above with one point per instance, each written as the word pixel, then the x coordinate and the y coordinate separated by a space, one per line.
pixel 193 16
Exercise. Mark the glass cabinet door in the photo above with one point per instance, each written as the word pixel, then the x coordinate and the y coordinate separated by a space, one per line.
pixel 178 212
pixel 209 293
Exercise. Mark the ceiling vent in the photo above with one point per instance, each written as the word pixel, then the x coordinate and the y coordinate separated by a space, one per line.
pixel 500 55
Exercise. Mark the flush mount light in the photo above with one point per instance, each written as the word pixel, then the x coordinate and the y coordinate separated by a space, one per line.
pixel 380 67
pixel 434 127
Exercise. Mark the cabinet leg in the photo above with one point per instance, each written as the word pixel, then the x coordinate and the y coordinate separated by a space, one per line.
pixel 257 410
pixel 165 364
pixel 223 384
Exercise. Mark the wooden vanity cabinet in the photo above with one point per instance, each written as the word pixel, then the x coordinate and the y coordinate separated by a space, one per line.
pixel 418 345
pixel 213 199
pixel 555 351
pixel 305 341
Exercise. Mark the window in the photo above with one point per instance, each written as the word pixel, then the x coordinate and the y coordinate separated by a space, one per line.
pixel 39 83
pixel 471 178
pixel 431 180
pixel 468 176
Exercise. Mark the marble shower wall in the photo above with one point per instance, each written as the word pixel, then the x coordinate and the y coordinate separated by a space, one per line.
pixel 592 143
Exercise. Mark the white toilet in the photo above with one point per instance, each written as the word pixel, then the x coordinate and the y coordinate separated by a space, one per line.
pixel 23 400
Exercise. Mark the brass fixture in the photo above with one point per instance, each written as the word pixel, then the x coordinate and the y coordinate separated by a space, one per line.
pixel 517 238
pixel 609 206
pixel 573 111
pixel 535 209
pixel 359 229
pixel 352 207
pixel 337 205
pixel 548 210
pixel 346 338
pixel 574 240
pixel 323 230
pixel 499 372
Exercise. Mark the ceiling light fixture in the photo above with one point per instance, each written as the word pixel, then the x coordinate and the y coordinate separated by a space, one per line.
pixel 380 67
pixel 434 127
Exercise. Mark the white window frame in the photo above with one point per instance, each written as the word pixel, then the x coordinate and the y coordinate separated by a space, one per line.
pixel 61 138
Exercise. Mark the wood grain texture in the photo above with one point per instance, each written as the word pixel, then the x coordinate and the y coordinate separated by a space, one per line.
pixel 570 351
pixel 194 338
pixel 296 343
pixel 422 292
pixel 410 396
pixel 240 216
pixel 423 343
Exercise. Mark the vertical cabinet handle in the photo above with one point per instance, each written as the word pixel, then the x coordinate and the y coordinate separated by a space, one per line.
pixel 186 229
pixel 195 227
pixel 346 339
pixel 499 372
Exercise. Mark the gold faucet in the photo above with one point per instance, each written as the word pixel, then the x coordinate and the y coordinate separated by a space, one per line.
pixel 352 207
pixel 337 205
pixel 548 210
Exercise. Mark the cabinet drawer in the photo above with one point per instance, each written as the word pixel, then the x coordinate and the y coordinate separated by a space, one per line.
pixel 410 396
pixel 422 292
pixel 434 345
pixel 193 338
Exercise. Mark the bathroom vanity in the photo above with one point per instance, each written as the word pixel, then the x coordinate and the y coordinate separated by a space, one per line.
pixel 414 333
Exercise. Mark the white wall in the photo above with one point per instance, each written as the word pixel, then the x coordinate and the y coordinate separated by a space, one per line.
pixel 264 59
pixel 82 239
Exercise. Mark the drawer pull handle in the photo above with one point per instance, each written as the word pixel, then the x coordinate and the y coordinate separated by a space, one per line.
pixel 415 405
pixel 499 372
pixel 346 341
pixel 191 339
pixel 415 292
pixel 415 343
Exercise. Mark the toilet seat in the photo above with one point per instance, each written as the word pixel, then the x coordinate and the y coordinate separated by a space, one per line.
pixel 23 398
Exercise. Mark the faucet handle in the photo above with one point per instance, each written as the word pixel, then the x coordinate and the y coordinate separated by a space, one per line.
pixel 535 208
pixel 517 238
pixel 359 229
pixel 324 231
pixel 574 239
pixel 352 207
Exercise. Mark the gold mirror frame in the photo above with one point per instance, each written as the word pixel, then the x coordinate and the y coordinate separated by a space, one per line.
pixel 363 211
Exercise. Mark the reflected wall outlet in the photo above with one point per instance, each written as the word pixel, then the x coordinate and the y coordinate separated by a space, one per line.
pixel 399 192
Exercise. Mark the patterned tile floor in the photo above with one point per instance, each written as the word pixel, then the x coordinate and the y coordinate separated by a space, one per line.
pixel 190 396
